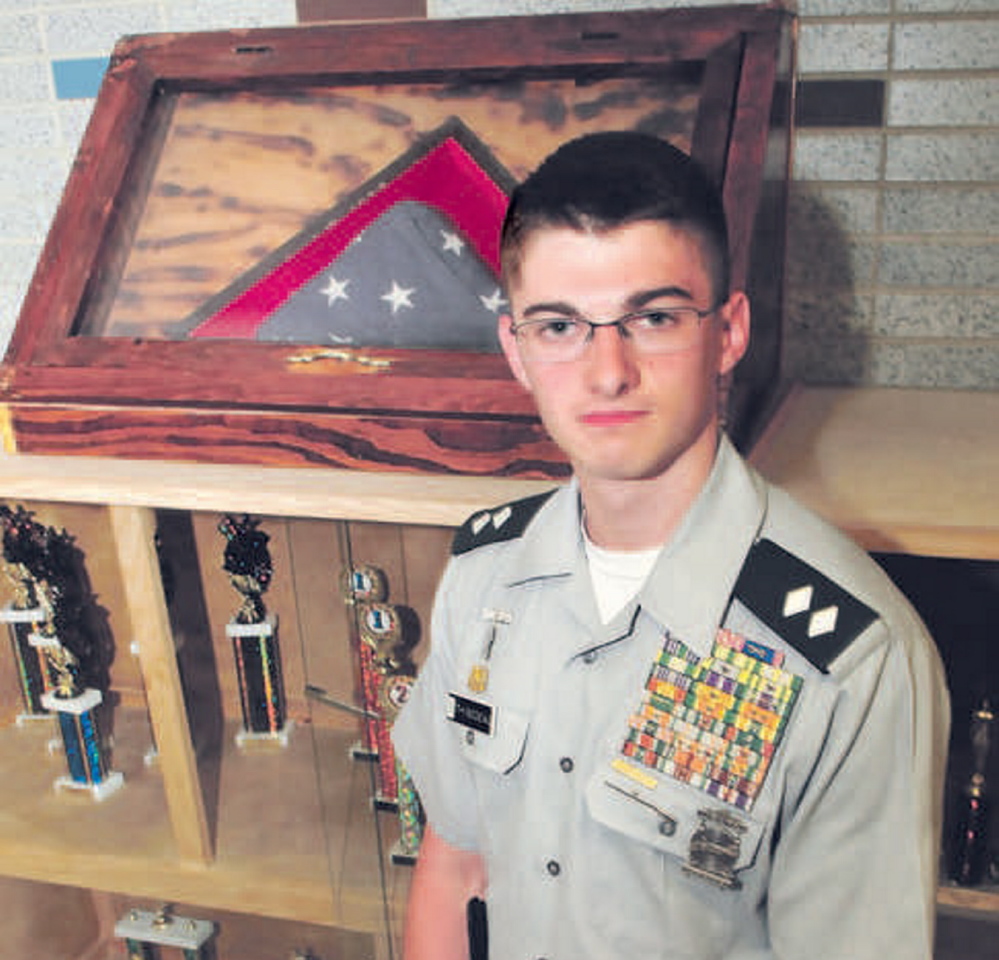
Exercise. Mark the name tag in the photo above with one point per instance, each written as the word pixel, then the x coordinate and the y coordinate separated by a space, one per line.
pixel 472 714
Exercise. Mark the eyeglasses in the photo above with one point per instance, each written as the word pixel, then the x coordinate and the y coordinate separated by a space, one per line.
pixel 560 339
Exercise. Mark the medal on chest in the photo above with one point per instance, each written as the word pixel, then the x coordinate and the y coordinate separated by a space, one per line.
pixel 478 676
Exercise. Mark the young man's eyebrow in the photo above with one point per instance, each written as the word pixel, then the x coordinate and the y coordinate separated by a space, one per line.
pixel 643 297
pixel 557 306
pixel 634 302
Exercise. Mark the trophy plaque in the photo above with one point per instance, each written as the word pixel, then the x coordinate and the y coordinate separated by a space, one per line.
pixel 147 932
pixel 254 635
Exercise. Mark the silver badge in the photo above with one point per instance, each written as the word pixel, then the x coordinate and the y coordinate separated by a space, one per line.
pixel 714 848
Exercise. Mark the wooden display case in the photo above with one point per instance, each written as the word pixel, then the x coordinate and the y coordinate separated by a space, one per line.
pixel 213 161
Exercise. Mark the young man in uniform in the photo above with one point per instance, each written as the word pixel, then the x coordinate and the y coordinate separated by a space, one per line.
pixel 667 712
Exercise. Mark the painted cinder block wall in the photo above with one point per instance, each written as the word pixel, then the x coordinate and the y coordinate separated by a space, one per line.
pixel 893 269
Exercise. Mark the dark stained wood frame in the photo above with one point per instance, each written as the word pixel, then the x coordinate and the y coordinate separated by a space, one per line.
pixel 238 401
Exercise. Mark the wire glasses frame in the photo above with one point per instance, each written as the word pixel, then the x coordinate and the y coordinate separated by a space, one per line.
pixel 659 330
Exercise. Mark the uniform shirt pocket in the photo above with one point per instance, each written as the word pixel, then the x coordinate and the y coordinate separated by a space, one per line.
pixel 707 838
pixel 492 736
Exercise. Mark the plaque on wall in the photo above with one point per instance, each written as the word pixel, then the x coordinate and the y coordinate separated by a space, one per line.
pixel 279 245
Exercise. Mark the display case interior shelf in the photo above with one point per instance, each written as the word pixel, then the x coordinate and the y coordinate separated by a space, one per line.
pixel 284 833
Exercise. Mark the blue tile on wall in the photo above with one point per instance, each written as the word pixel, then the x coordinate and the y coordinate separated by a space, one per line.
pixel 78 79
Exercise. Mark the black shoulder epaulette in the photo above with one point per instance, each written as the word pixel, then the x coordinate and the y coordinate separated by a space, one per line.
pixel 502 523
pixel 802 606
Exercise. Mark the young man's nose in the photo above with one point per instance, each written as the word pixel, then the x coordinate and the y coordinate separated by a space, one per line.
pixel 610 356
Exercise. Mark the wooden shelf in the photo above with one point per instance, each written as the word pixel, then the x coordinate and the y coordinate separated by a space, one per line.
pixel 275 491
pixel 295 833
pixel 902 471
pixel 976 903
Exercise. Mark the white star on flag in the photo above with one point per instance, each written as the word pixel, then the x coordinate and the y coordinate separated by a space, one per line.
pixel 494 301
pixel 452 242
pixel 335 290
pixel 398 297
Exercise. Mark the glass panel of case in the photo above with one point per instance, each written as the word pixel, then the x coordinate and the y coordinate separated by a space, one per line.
pixel 300 771
pixel 232 177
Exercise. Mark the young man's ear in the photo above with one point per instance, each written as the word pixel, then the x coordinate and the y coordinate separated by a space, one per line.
pixel 735 320
pixel 511 350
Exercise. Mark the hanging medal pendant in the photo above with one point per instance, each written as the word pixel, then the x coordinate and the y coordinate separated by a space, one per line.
pixel 478 676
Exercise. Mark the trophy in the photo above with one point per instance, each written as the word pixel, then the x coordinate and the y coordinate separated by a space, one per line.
pixel 970 860
pixel 31 613
pixel 385 636
pixel 56 657
pixel 254 633
pixel 145 932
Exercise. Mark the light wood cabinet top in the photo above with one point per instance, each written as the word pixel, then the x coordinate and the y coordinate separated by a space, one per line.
pixel 901 470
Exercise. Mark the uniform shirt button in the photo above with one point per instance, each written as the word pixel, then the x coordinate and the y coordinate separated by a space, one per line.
pixel 566 764
pixel 553 867
pixel 590 656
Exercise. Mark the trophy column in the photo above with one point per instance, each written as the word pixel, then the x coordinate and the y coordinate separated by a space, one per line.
pixel 387 673
pixel 27 565
pixel 970 856
pixel 86 755
pixel 57 657
pixel 23 626
pixel 254 634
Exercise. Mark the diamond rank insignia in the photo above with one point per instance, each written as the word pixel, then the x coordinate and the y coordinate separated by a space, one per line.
pixel 806 609
pixel 714 722
pixel 797 601
pixel 822 622
pixel 507 522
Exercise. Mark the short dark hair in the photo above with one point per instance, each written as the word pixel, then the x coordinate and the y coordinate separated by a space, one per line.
pixel 601 181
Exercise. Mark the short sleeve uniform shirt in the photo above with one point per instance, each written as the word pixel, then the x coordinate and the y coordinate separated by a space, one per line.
pixel 744 763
